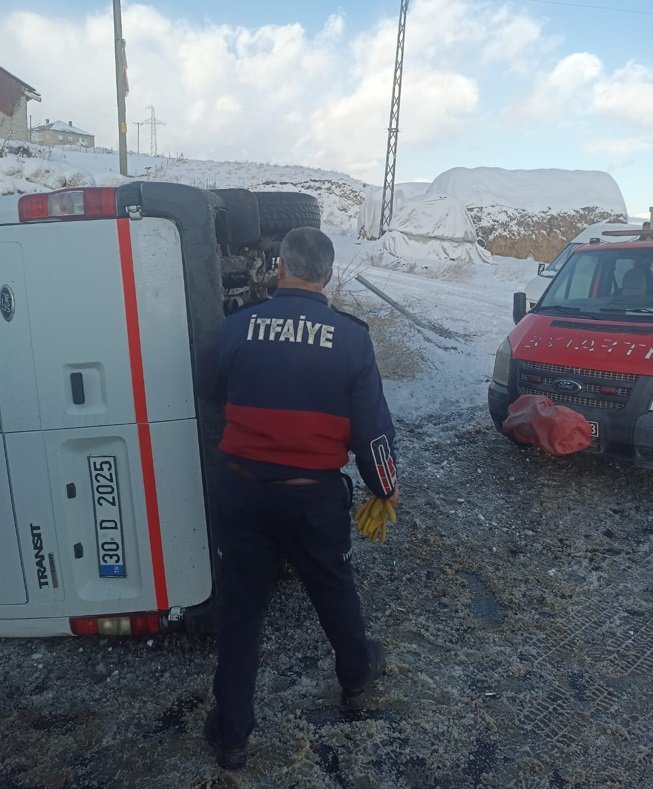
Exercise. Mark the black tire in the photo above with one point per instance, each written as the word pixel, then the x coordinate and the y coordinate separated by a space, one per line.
pixel 241 223
pixel 498 423
pixel 280 212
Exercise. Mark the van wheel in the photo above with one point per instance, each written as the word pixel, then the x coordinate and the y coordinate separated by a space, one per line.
pixel 283 211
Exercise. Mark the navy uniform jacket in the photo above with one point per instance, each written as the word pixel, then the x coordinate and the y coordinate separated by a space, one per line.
pixel 300 388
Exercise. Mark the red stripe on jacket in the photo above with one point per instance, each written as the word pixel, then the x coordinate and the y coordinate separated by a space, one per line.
pixel 304 439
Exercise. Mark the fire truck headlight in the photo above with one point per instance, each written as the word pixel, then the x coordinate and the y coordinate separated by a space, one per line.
pixel 501 373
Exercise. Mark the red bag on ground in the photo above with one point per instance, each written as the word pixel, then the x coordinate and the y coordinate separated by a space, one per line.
pixel 558 430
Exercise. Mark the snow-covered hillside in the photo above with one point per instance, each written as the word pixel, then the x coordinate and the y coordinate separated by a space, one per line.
pixel 28 168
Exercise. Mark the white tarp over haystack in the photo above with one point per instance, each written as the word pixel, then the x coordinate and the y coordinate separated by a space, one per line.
pixel 434 226
pixel 369 215
pixel 531 190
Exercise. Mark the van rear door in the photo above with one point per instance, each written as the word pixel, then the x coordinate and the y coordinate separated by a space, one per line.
pixel 101 437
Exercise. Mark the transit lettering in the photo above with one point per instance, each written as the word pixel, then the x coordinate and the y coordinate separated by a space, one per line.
pixel 39 556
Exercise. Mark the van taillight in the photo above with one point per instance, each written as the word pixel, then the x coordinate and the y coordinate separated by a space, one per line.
pixel 90 203
pixel 141 624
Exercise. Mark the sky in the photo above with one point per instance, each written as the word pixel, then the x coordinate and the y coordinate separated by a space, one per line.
pixel 521 85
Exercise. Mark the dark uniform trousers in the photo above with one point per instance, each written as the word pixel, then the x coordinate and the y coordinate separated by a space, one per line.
pixel 260 524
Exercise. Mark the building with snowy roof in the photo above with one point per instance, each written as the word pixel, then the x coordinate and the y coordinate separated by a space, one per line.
pixel 14 95
pixel 62 133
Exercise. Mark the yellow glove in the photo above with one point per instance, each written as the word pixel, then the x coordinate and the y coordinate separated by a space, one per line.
pixel 371 518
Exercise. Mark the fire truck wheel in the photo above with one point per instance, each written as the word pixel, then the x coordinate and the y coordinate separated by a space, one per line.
pixel 499 426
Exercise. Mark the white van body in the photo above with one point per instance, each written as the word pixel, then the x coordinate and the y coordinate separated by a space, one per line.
pixel 99 431
pixel 109 298
pixel 536 287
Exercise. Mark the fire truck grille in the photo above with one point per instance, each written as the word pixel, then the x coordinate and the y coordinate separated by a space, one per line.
pixel 584 372
pixel 596 388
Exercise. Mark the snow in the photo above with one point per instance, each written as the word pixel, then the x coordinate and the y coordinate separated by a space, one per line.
pixel 469 308
pixel 531 190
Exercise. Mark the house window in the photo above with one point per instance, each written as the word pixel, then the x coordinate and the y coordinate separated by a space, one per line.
pixel 60 137
pixel 71 139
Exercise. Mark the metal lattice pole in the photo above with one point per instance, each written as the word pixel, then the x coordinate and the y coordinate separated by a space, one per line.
pixel 393 127
pixel 153 124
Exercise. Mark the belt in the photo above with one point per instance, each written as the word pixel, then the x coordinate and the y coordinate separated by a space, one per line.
pixel 245 472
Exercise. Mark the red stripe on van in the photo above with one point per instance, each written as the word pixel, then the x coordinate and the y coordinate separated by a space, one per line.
pixel 140 408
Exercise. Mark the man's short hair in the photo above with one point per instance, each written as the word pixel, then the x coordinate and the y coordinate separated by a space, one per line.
pixel 308 254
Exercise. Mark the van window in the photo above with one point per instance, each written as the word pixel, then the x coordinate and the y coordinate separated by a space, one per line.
pixel 562 257
pixel 581 277
pixel 605 280
pixel 621 266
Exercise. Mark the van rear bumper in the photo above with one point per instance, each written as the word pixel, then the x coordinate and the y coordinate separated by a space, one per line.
pixel 35 628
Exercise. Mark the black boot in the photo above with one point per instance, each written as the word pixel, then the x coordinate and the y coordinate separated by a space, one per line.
pixel 354 696
pixel 230 757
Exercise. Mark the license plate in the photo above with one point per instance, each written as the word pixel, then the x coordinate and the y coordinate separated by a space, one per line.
pixel 595 428
pixel 108 520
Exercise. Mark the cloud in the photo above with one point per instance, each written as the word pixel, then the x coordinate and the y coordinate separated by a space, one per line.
pixel 626 146
pixel 513 39
pixel 627 96
pixel 568 86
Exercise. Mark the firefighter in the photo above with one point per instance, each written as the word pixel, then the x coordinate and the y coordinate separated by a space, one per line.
pixel 300 388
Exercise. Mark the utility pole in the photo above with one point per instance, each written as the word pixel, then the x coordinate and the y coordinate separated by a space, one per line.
pixel 121 85
pixel 138 125
pixel 393 127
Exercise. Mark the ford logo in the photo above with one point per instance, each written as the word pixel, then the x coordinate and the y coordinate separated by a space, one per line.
pixel 567 385
pixel 7 305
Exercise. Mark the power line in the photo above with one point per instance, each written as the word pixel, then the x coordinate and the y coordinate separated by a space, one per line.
pixel 593 7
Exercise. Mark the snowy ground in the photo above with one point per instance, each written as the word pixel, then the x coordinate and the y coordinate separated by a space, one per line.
pixel 514 597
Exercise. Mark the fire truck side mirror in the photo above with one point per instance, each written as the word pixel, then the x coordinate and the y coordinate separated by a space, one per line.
pixel 518 306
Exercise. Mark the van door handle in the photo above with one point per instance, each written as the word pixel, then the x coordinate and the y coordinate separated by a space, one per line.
pixel 77 387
